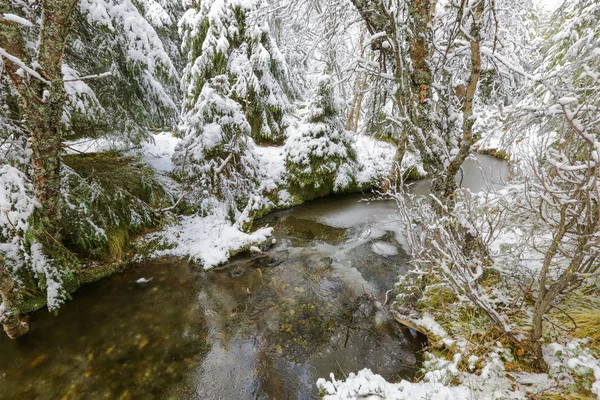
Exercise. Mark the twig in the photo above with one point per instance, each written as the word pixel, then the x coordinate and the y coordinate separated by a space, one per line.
pixel 88 77
pixel 174 205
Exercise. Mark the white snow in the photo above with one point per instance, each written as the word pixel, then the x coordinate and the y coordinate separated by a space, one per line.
pixel 444 381
pixel 369 386
pixel 375 157
pixel 158 153
pixel 22 65
pixel 17 19
pixel 384 249
pixel 209 240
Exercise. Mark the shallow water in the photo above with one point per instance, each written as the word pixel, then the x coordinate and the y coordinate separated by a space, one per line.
pixel 262 327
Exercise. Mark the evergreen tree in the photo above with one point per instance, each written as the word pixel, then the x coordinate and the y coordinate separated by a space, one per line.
pixel 319 156
pixel 229 38
pixel 220 162
pixel 70 69
pixel 135 52
pixel 267 86
pixel 233 92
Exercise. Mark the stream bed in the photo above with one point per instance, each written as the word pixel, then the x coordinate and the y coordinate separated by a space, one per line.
pixel 264 326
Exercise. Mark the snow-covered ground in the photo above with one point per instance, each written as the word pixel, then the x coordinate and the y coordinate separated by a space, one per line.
pixel 158 154
pixel 210 240
pixel 444 381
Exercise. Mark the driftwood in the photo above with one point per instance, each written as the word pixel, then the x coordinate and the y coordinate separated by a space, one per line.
pixel 403 320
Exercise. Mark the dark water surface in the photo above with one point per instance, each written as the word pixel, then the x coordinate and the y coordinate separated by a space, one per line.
pixel 263 327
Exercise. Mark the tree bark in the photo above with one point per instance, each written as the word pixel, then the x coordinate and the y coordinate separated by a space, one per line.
pixel 447 182
pixel 9 312
pixel 43 100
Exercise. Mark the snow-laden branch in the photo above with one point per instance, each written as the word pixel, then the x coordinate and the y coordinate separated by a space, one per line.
pixel 88 77
pixel 223 165
pixel 17 61
pixel 507 63
pixel 16 19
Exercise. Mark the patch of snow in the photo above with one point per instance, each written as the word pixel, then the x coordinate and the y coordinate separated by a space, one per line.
pixel 375 158
pixel 384 249
pixel 158 153
pixel 209 240
pixel 367 385
pixel 445 381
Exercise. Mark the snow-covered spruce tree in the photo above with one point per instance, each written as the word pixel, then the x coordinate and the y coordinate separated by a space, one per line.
pixel 228 37
pixel 164 15
pixel 219 162
pixel 319 155
pixel 268 87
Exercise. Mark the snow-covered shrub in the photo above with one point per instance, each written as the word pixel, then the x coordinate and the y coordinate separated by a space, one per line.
pixel 22 252
pixel 319 155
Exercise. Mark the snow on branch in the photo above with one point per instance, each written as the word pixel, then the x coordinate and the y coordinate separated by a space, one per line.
pixel 88 77
pixel 507 63
pixel 16 19
pixel 22 65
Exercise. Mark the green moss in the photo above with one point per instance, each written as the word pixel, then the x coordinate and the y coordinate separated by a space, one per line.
pixel 501 154
pixel 108 199
pixel 413 174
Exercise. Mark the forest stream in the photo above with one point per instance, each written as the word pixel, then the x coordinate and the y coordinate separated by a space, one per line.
pixel 264 326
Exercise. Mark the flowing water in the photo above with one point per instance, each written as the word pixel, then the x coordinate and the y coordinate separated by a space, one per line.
pixel 262 327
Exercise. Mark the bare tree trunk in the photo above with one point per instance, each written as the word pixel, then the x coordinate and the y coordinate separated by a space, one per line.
pixel 446 185
pixel 9 312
